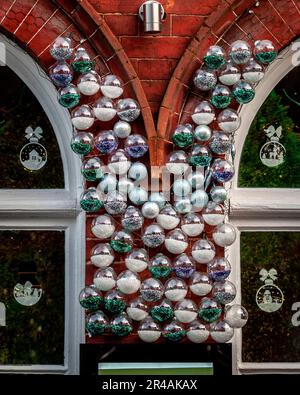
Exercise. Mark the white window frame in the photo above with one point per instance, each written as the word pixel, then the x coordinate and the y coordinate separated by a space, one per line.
pixel 41 209
pixel 261 209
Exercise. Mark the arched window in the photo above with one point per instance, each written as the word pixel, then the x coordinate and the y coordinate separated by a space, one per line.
pixel 265 207
pixel 41 225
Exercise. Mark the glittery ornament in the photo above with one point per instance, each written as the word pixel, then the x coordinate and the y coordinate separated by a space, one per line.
pixel 150 210
pixel 184 266
pixel 115 203
pixel 218 194
pixel 149 331
pixel 174 331
pixel 219 269
pixel 215 57
pixel 160 266
pixel 229 74
pixel 138 195
pixel 122 129
pixel 104 109
pixel 264 51
pixel 136 146
pixel 181 188
pixel 82 117
pixel 199 156
pixel 176 241
pixel 243 92
pixel 119 162
pixel 236 316
pixel 61 74
pixel 240 52
pixel 183 206
pixel 192 224
pixel 114 301
pixel 137 260
pixel 213 214
pixel 196 179
pixel 209 310
pixel 152 290
pixel 132 219
pixel 89 83
pixel 81 61
pixel 138 171
pixel 61 49
pixel 82 143
pixel 125 185
pixel 177 162
pixel 186 311
pixel 108 183
pixel 90 200
pixel 203 251
pixel 168 218
pixel 175 289
pixel 253 72
pixel 221 96
pixel 103 226
pixel 223 171
pixel 162 312
pixel 137 310
pixel 128 282
pixel 91 169
pixel 224 292
pixel 204 113
pixel 224 235
pixel 197 332
pixel 111 86
pixel 229 120
pixel 128 110
pixel 221 143
pixel 121 325
pixel 202 133
pixel 121 242
pixel 106 142
pixel 96 323
pixel 205 79
pixel 102 255
pixel 90 298
pixel 183 136
pixel 158 198
pixel 200 284
pixel 69 96
pixel 105 279
pixel 199 199
pixel 221 332
pixel 153 236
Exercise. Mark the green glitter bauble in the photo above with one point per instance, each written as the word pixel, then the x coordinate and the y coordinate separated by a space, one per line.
pixel 95 328
pixel 114 306
pixel 182 140
pixel 82 66
pixel 220 101
pixel 120 247
pixel 210 315
pixel 160 271
pixel 175 336
pixel 91 205
pixel 81 148
pixel 92 174
pixel 121 330
pixel 199 160
pixel 161 313
pixel 243 96
pixel 266 57
pixel 214 62
pixel 92 302
pixel 69 100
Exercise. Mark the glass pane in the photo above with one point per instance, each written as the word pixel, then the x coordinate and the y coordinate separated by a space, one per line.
pixel 20 109
pixel 281 111
pixel 272 333
pixel 32 290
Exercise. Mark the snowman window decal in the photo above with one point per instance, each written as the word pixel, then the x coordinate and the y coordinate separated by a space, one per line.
pixel 269 297
pixel 27 294
pixel 33 156
pixel 273 153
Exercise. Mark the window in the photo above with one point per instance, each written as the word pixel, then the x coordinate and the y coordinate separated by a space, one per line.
pixel 41 225
pixel 265 208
